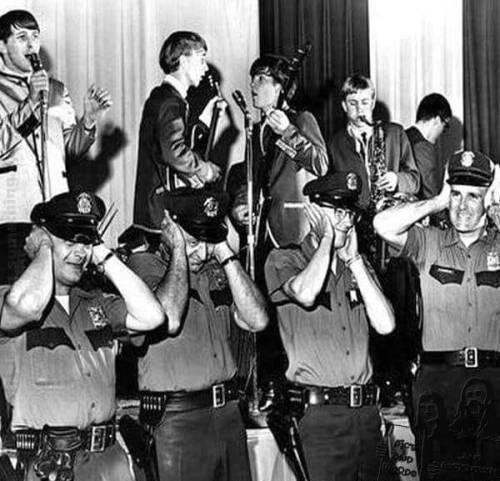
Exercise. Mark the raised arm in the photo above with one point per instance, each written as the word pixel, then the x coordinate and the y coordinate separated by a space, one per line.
pixel 79 135
pixel 251 309
pixel 378 308
pixel 393 224
pixel 172 291
pixel 175 150
pixel 305 287
pixel 18 123
pixel 144 312
pixel 30 294
pixel 301 139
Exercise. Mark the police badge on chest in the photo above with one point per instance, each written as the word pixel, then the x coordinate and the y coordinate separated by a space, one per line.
pixel 353 294
pixel 492 261
pixel 98 316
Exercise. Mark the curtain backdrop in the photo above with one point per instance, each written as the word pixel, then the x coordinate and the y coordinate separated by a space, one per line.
pixel 481 75
pixel 116 45
pixel 338 32
pixel 416 49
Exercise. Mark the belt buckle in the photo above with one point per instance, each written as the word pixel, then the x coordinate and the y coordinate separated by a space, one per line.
pixel 471 358
pixel 98 439
pixel 218 395
pixel 355 396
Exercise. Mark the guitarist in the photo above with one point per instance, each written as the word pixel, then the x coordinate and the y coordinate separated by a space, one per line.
pixel 166 159
pixel 288 151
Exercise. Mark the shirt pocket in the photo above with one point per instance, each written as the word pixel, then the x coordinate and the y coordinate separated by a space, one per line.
pixel 52 357
pixel 446 275
pixel 488 278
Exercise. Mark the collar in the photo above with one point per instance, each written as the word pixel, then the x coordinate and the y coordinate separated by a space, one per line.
pixel 356 132
pixel 177 84
pixel 16 77
pixel 451 237
pixel 79 292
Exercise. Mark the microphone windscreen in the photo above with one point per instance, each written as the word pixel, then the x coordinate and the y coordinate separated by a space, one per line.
pixel 240 100
pixel 35 61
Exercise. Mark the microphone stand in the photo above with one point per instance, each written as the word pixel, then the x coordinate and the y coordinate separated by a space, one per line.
pixel 250 258
pixel 43 138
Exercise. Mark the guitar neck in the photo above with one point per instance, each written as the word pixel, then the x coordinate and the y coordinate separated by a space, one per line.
pixel 213 124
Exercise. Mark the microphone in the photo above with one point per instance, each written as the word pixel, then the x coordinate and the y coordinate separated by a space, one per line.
pixel 240 101
pixel 36 65
pixel 35 61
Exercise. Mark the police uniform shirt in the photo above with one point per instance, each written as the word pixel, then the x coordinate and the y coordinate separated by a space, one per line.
pixel 460 288
pixel 63 373
pixel 199 356
pixel 328 344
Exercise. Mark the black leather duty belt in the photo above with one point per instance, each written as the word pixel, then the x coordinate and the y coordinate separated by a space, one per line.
pixel 216 396
pixel 353 396
pixel 469 357
pixel 94 439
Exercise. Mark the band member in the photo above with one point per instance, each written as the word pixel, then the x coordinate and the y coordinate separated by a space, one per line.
pixel 379 153
pixel 166 159
pixel 288 151
pixel 188 395
pixel 433 118
pixel 21 172
pixel 326 297
pixel 58 347
pixel 459 275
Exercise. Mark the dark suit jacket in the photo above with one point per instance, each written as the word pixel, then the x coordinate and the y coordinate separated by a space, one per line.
pixel 431 172
pixel 164 149
pixel 398 156
pixel 287 163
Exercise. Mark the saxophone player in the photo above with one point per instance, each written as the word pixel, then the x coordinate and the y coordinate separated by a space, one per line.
pixel 380 153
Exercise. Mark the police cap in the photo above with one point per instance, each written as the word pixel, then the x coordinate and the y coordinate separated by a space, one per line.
pixel 72 216
pixel 200 212
pixel 336 188
pixel 470 168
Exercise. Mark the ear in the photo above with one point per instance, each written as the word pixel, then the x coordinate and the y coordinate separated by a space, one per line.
pixel 344 106
pixel 3 47
pixel 182 62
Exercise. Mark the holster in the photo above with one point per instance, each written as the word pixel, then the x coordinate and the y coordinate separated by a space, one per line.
pixel 55 458
pixel 7 472
pixel 283 422
pixel 141 446
pixel 283 417
pixel 152 408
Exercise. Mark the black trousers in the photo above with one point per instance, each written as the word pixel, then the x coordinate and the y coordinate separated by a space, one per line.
pixel 456 422
pixel 344 444
pixel 203 445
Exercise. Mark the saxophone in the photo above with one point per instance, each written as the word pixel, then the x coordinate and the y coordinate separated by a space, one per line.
pixel 380 199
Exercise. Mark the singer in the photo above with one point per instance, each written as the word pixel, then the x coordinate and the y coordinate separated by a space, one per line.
pixel 288 151
pixel 23 92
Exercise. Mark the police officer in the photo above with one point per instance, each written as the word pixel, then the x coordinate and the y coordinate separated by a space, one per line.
pixel 459 366
pixel 187 397
pixel 57 344
pixel 326 297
